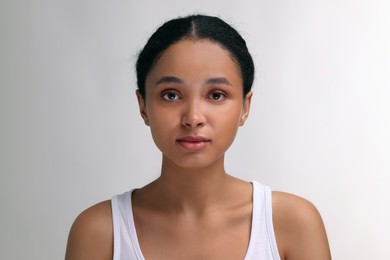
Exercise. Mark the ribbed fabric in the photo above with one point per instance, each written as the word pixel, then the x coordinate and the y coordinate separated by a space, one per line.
pixel 262 243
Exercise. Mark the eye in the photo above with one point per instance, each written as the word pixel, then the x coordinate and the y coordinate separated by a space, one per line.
pixel 217 95
pixel 170 95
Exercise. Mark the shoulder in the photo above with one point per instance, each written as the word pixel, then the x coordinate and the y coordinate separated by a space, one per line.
pixel 91 235
pixel 299 229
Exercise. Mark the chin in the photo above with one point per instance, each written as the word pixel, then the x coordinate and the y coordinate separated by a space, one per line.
pixel 195 161
pixel 192 164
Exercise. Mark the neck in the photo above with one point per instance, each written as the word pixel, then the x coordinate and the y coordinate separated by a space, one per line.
pixel 193 189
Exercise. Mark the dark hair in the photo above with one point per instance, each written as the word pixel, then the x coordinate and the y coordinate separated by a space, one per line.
pixel 196 27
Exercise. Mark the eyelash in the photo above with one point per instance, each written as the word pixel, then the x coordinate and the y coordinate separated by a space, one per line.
pixel 169 92
pixel 164 95
pixel 219 92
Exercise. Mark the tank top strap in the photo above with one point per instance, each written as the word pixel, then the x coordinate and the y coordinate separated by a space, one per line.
pixel 126 245
pixel 262 244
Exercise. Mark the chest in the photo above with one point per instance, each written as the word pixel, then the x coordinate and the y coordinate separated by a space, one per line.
pixel 217 236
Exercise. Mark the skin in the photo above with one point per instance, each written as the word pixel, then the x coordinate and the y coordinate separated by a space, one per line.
pixel 195 210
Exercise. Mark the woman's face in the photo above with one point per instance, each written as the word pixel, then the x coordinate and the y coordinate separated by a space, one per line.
pixel 194 103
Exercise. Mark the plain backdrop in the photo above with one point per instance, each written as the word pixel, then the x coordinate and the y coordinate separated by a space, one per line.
pixel 71 134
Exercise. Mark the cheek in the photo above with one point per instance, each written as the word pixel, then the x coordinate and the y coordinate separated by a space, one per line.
pixel 228 115
pixel 161 123
pixel 161 115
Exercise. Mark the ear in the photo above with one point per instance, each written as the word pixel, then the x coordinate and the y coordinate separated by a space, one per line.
pixel 142 107
pixel 246 107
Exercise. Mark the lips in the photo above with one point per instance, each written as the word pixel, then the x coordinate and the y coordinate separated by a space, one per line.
pixel 193 142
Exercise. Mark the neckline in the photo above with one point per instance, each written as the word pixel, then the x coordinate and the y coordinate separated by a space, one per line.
pixel 133 231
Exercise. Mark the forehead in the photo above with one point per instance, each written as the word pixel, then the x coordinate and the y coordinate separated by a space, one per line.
pixel 195 58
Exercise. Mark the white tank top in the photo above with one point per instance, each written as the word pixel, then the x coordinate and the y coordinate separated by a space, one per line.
pixel 262 243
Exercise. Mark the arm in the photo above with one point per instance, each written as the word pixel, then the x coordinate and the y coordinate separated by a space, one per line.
pixel 91 235
pixel 299 230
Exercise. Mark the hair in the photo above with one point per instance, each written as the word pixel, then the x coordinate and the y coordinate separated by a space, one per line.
pixel 195 27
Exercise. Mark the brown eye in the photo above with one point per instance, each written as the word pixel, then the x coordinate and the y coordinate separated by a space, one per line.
pixel 170 96
pixel 217 96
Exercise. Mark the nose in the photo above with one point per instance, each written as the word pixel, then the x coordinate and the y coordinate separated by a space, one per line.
pixel 193 115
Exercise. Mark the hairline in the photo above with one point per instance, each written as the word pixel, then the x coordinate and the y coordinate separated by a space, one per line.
pixel 196 38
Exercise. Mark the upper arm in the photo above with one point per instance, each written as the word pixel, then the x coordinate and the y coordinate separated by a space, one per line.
pixel 299 230
pixel 91 235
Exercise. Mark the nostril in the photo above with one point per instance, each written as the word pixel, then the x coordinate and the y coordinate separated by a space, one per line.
pixel 193 115
pixel 192 123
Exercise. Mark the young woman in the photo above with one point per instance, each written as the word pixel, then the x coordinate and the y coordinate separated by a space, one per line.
pixel 194 91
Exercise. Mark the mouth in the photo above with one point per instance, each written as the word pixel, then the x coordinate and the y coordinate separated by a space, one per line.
pixel 193 142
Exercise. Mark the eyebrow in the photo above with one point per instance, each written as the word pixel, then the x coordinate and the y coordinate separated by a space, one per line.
pixel 220 80
pixel 173 79
pixel 169 79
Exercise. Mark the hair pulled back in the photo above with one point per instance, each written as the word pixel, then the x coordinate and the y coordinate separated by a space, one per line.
pixel 195 27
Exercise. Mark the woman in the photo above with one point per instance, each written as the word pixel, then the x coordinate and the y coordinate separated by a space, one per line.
pixel 194 80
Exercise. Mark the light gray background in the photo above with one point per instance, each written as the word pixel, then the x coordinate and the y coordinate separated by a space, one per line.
pixel 71 135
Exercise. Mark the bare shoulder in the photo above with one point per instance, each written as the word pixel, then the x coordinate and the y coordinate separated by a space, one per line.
pixel 91 235
pixel 299 229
